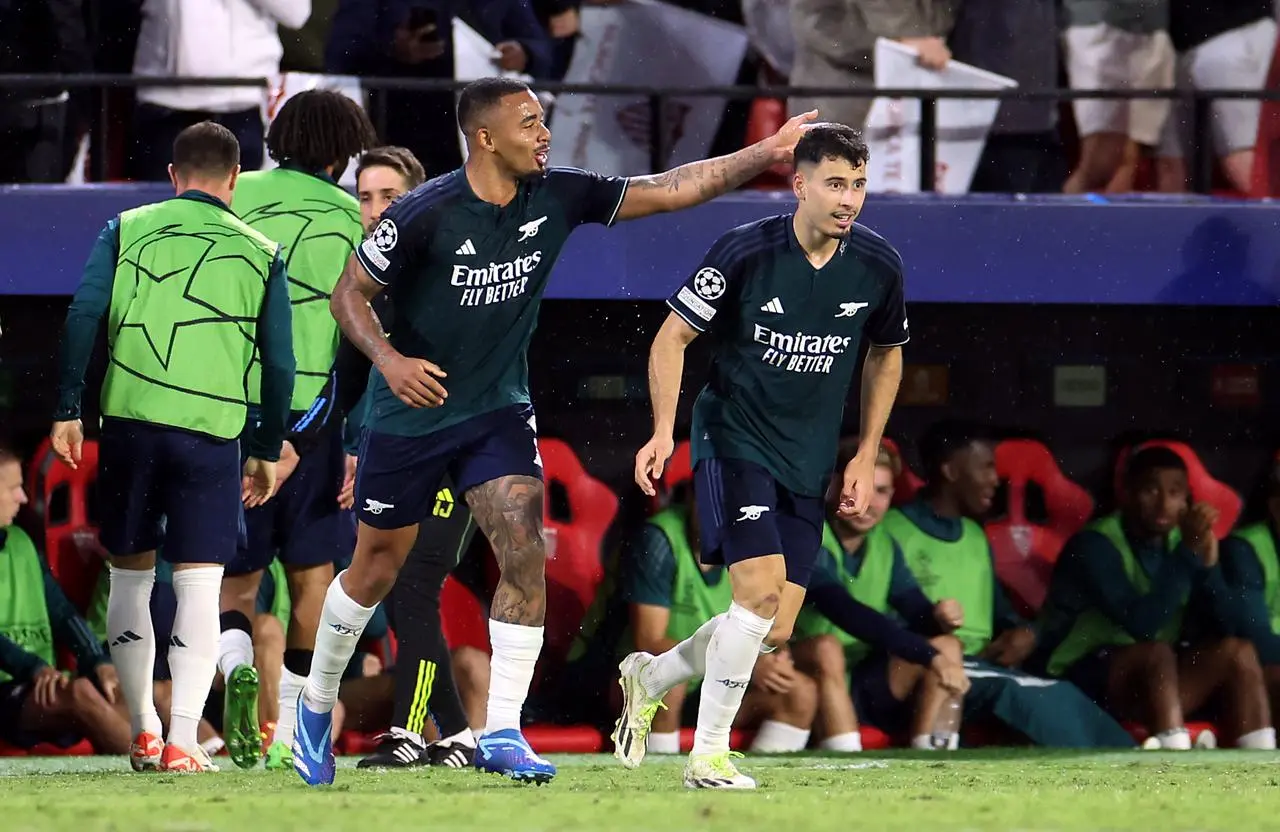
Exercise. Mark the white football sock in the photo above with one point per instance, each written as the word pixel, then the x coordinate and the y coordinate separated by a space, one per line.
pixel 774 737
pixel 515 653
pixel 731 656
pixel 687 660
pixel 664 743
pixel 847 743
pixel 291 685
pixel 235 647
pixel 193 650
pixel 132 641
pixel 1264 739
pixel 342 621
pixel 1175 739
pixel 463 737
pixel 406 734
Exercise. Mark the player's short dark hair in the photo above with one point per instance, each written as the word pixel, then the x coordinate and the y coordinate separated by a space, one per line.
pixel 942 441
pixel 848 449
pixel 399 159
pixel 480 96
pixel 206 149
pixel 1147 461
pixel 832 141
pixel 318 128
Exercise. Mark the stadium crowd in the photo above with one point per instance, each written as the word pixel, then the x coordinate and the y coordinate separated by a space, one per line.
pixel 1034 146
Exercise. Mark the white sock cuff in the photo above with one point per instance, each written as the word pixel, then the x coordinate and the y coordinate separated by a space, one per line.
pixel 292 682
pixel 515 640
pixel 202 576
pixel 664 743
pixel 1263 739
pixel 343 606
pixel 774 737
pixel 847 743
pixel 1175 739
pixel 749 622
pixel 132 576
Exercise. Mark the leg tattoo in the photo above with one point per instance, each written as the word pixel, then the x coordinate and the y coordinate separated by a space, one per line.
pixel 509 512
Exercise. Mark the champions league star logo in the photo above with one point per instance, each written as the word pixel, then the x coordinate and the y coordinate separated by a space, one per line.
pixel 385 235
pixel 709 283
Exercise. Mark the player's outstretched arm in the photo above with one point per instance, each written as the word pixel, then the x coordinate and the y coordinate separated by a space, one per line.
pixel 413 380
pixel 79 333
pixel 699 182
pixel 666 370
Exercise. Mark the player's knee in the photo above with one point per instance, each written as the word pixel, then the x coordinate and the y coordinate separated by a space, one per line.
pixel 1244 659
pixel 83 699
pixel 526 570
pixel 827 657
pixel 268 635
pixel 758 583
pixel 375 565
pixel 948 646
pixel 803 698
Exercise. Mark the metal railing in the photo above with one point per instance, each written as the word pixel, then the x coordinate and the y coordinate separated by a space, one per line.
pixel 1199 102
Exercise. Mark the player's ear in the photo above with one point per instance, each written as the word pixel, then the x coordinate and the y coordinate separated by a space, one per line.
pixel 484 138
pixel 173 177
pixel 798 185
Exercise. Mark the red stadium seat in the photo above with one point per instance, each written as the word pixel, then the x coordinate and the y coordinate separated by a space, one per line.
pixel 1024 551
pixel 908 484
pixel 70 541
pixel 766 117
pixel 679 471
pixel 464 617
pixel 1203 485
pixel 574 544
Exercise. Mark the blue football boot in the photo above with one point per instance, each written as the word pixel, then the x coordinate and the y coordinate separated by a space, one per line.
pixel 313 746
pixel 507 752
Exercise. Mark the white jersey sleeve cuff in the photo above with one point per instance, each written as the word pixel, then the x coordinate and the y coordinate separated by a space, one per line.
pixel 373 260
pixel 691 320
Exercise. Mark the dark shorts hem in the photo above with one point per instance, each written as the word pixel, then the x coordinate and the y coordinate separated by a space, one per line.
pixel 745 513
pixel 398 478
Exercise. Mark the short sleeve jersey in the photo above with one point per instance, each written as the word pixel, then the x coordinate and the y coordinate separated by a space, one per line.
pixel 787 339
pixel 468 277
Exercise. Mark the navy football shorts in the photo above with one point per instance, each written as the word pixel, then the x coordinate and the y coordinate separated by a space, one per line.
pixel 398 476
pixel 159 484
pixel 302 523
pixel 744 513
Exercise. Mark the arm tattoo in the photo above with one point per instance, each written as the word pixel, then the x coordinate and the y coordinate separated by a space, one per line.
pixel 509 512
pixel 698 182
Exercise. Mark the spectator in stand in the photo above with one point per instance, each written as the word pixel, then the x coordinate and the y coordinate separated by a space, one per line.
pixel 562 20
pixel 408 39
pixel 1018 39
pixel 835 40
pixel 1113 620
pixel 38 37
pixel 1116 45
pixel 228 39
pixel 304 47
pixel 1222 44
pixel 38 702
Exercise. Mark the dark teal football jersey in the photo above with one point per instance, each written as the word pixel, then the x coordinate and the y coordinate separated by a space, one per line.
pixel 787 338
pixel 468 277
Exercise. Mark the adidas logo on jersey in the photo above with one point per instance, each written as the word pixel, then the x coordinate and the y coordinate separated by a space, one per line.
pixel 774 306
pixel 467 248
